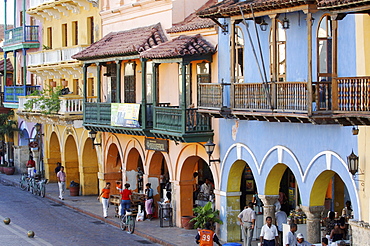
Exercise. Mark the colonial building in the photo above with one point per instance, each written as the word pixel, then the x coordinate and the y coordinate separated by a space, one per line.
pixel 145 117
pixel 292 92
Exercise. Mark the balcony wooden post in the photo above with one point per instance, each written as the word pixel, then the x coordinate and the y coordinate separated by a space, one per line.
pixel 24 75
pixel 84 78
pixel 15 68
pixel 5 72
pixel 334 87
pixel 309 64
pixel 118 81
pixel 155 92
pixel 232 52
pixel 183 96
pixel 143 93
pixel 98 82
pixel 275 62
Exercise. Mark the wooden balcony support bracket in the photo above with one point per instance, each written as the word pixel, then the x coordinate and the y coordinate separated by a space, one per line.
pixel 62 10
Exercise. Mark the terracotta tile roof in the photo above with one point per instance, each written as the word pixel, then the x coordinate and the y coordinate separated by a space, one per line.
pixel 180 47
pixel 341 3
pixel 123 43
pixel 194 22
pixel 231 7
pixel 9 66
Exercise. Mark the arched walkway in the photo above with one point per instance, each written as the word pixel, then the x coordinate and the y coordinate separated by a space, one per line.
pixel 54 157
pixel 133 166
pixel 90 169
pixel 71 161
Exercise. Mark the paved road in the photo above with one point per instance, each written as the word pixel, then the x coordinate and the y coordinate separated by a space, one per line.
pixel 53 223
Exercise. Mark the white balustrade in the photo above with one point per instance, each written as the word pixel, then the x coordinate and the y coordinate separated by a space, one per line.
pixel 35 59
pixel 35 3
pixel 52 56
pixel 68 52
pixel 71 105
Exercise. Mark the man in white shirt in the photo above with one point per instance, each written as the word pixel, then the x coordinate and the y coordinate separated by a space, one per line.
pixel 269 233
pixel 290 238
pixel 247 219
pixel 281 218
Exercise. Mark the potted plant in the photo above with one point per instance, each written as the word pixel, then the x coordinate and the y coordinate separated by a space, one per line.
pixel 205 214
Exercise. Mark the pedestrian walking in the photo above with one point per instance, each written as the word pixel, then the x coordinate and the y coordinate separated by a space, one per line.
pixel 269 233
pixel 247 220
pixel 206 237
pixel 281 218
pixel 125 199
pixel 61 175
pixel 57 169
pixel 290 237
pixel 105 199
pixel 31 167
pixel 149 201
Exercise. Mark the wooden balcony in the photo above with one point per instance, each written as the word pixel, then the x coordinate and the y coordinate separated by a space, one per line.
pixel 12 93
pixel 97 116
pixel 23 37
pixel 53 56
pixel 183 126
pixel 343 101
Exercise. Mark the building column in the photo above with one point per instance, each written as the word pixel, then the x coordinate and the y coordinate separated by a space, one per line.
pixel 268 206
pixel 313 214
pixel 36 156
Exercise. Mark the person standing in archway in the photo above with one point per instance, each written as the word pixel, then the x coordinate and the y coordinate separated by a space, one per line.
pixel 149 201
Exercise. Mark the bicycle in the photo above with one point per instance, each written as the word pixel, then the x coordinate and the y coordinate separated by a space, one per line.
pixel 24 182
pixel 41 187
pixel 128 222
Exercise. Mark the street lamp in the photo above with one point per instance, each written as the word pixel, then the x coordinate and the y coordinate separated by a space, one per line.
pixel 352 161
pixel 92 135
pixel 263 25
pixel 210 147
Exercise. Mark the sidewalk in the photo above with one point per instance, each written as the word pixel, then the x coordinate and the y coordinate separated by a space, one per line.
pixel 89 205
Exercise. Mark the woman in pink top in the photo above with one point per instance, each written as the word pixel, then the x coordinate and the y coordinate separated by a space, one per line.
pixel 125 199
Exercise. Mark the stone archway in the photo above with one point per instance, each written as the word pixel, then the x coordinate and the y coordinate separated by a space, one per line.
pixel 187 180
pixel 71 161
pixel 134 162
pixel 89 174
pixel 113 166
pixel 54 157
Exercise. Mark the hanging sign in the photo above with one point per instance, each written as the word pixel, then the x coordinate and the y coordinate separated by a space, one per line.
pixel 156 144
pixel 33 144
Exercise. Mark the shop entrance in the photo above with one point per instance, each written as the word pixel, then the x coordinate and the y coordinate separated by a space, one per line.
pixel 196 185
pixel 158 175
pixel 289 197
pixel 135 171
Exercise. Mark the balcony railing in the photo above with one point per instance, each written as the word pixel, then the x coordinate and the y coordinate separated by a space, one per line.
pixel 69 105
pixel 21 34
pixel 175 120
pixel 53 56
pixel 35 3
pixel 210 95
pixel 353 94
pixel 251 96
pixel 12 93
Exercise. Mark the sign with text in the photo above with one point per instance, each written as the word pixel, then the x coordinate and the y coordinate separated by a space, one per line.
pixel 125 114
pixel 156 144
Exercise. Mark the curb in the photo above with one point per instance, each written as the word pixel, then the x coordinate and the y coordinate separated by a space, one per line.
pixel 116 224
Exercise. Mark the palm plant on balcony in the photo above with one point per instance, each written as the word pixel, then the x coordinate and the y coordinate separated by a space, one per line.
pixel 47 101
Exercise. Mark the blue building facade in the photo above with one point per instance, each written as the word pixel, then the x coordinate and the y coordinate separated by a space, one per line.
pixel 287 120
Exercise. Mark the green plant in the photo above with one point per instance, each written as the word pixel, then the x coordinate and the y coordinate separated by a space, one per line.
pixel 45 47
pixel 47 100
pixel 8 127
pixel 205 214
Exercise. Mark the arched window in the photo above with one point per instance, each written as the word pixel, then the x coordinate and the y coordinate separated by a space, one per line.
pixel 278 59
pixel 324 49
pixel 239 55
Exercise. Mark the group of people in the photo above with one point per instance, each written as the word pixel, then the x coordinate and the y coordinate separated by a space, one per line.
pixel 336 228
pixel 126 195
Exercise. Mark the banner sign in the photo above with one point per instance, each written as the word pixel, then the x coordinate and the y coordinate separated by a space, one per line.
pixel 125 114
pixel 156 144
